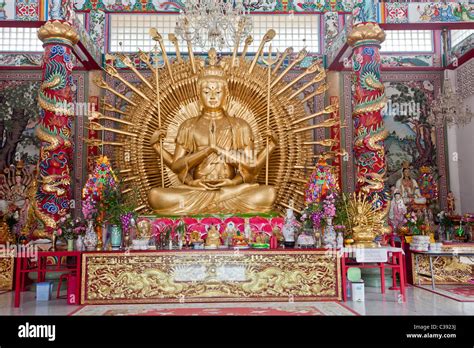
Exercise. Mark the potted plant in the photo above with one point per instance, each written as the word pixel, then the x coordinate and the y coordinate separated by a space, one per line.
pixel 115 211
pixel 180 230
pixel 341 221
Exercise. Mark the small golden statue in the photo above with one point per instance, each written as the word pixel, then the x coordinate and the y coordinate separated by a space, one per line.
pixel 451 203
pixel 213 240
pixel 366 221
pixel 260 238
pixel 214 158
pixel 195 237
pixel 276 231
pixel 143 229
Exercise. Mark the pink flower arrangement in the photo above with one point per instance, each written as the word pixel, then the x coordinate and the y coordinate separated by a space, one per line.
pixel 70 228
pixel 329 208
pixel 92 192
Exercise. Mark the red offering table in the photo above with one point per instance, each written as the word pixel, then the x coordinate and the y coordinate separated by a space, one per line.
pixel 394 260
pixel 28 262
pixel 210 276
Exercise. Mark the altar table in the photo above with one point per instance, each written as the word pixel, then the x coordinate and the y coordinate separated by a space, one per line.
pixel 36 263
pixel 394 259
pixel 437 254
pixel 447 269
pixel 210 276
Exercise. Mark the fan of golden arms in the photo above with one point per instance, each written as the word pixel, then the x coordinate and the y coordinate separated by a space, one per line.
pixel 216 135
pixel 58 30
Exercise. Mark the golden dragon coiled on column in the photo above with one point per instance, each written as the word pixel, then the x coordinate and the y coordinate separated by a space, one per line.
pixel 51 182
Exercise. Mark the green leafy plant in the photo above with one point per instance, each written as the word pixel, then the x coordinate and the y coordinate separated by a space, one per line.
pixel 114 205
pixel 180 229
pixel 342 216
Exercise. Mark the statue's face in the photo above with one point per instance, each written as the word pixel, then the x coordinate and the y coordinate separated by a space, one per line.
pixel 213 93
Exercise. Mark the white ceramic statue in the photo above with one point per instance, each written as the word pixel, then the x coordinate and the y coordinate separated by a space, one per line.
pixel 409 189
pixel 289 226
pixel 397 211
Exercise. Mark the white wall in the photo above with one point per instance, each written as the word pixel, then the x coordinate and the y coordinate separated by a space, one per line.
pixel 461 147
pixel 465 144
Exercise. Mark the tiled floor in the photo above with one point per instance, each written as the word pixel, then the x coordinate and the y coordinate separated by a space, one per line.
pixel 419 302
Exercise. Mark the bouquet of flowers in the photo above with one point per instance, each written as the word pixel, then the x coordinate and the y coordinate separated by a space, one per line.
pixel 101 179
pixel 329 207
pixel 321 184
pixel 415 222
pixel 311 216
pixel 70 228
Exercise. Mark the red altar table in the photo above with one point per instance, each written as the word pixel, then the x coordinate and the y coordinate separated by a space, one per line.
pixel 395 261
pixel 35 262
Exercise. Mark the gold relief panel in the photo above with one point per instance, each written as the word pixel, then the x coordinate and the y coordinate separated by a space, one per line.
pixel 153 277
pixel 447 270
pixel 6 273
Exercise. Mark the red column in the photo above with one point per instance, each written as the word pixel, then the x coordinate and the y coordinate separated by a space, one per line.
pixel 53 198
pixel 369 99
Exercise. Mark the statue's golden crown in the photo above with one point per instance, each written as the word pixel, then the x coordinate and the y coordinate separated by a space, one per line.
pixel 213 69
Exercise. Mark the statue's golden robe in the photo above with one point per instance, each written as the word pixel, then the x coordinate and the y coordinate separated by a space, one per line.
pixel 243 198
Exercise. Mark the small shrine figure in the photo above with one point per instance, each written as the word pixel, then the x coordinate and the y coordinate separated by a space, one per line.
pixel 260 238
pixel 408 188
pixel 213 239
pixel 229 233
pixel 289 228
pixel 239 241
pixel 451 203
pixel 195 237
pixel 276 232
pixel 397 211
pixel 144 229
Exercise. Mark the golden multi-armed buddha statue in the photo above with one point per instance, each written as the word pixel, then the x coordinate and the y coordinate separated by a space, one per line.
pixel 214 158
pixel 216 128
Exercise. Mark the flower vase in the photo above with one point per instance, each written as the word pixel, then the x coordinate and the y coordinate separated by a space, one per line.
pixel 116 237
pixel 317 237
pixel 340 240
pixel 80 243
pixel 329 239
pixel 70 245
pixel 90 239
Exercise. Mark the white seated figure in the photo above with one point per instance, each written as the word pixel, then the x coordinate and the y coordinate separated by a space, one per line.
pixel 409 189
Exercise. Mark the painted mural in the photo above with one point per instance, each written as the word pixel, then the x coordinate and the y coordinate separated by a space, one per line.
pixel 97 28
pixel 19 114
pixel 422 60
pixel 440 12
pixel 21 59
pixel 252 5
pixel 396 12
pixel 411 139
